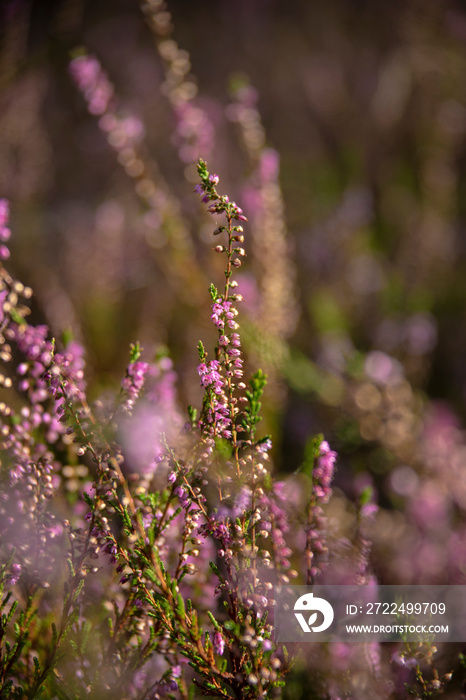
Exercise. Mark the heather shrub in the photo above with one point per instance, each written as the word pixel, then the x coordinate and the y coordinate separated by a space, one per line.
pixel 160 579
pixel 141 540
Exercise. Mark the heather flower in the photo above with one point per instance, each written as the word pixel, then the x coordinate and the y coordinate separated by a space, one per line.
pixel 403 660
pixel 124 133
pixel 92 80
pixel 277 315
pixel 322 463
pixel 3 304
pixel 5 232
pixel 133 383
pixel 219 643
pixel 323 472
pixel 4 212
pixel 150 417
pixel 194 132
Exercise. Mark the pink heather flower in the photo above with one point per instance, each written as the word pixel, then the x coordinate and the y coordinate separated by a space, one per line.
pixel 269 165
pixel 4 212
pixel 210 377
pixel 219 643
pixel 176 671
pixel 5 232
pixel 3 298
pixel 382 368
pixel 323 472
pixel 134 382
pixel 369 510
pixel 93 81
pixel 182 496
pixel 133 128
pixel 194 132
pixel 141 432
pixel 15 574
pixel 404 661
pixel 265 446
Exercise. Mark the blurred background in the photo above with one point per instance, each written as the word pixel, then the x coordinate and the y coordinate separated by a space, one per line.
pixel 339 127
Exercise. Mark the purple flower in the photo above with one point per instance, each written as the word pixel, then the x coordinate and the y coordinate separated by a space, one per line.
pixel 219 643
pixel 323 472
pixel 15 573
pixel 182 497
pixel 4 212
pixel 93 81
pixel 133 383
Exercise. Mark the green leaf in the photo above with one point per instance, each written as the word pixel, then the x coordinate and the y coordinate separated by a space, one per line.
pixel 214 622
pixel 134 352
pixel 16 317
pixel 202 169
pixel 126 519
pixel 54 634
pixel 311 453
pixel 366 496
pixel 201 351
pixel 192 413
pixel 67 337
pixel 216 571
pixel 78 590
pixel 88 500
pixel 223 447
pixel 195 631
pixel 180 608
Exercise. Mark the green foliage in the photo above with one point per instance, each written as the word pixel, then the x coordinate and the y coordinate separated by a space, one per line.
pixel 135 352
pixel 201 351
pixel 366 496
pixel 311 453
pixel 253 408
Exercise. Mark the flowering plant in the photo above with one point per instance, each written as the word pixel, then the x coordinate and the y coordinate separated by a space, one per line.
pixel 155 582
